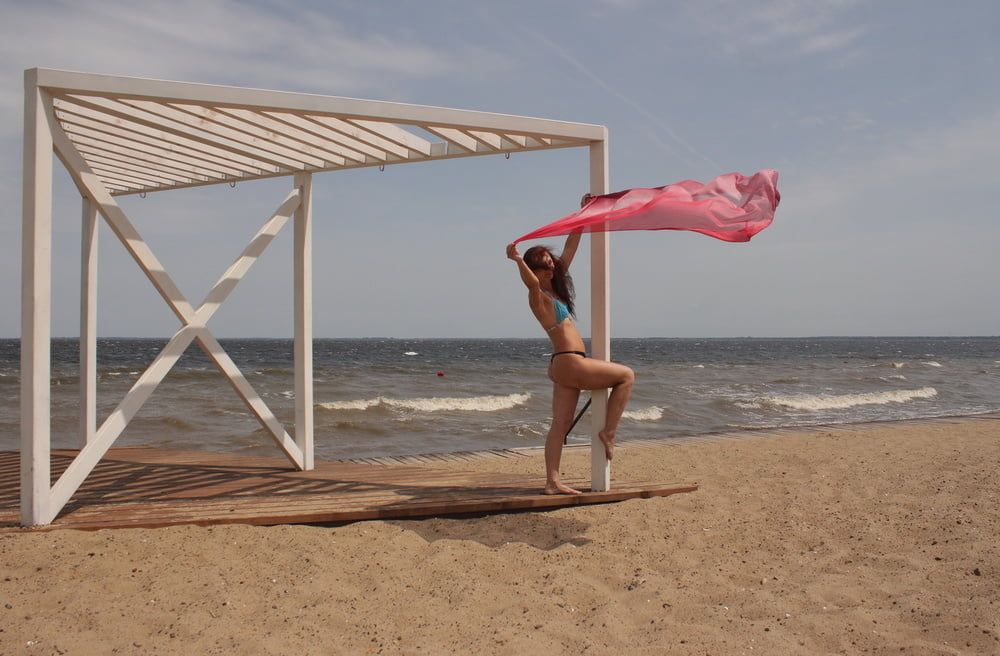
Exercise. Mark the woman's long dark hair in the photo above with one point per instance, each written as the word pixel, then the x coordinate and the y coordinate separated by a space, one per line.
pixel 562 282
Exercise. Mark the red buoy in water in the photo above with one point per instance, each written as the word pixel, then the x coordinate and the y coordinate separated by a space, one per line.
pixel 441 374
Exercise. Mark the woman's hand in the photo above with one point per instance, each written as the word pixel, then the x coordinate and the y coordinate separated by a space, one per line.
pixel 512 253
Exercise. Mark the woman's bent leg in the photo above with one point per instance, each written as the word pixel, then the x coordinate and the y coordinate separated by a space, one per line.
pixel 591 374
pixel 564 401
pixel 617 400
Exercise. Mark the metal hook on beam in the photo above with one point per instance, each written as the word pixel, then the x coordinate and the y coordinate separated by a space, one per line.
pixel 142 194
pixel 506 155
pixel 381 168
pixel 232 185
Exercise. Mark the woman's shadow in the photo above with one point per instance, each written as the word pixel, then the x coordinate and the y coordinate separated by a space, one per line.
pixel 541 530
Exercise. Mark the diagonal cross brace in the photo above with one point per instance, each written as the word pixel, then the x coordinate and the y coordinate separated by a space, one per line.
pixel 194 322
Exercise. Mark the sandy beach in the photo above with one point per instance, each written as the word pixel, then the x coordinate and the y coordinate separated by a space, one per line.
pixel 880 539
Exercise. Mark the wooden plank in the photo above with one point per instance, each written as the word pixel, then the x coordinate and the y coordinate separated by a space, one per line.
pixel 600 317
pixel 390 112
pixel 161 133
pixel 36 304
pixel 303 320
pixel 149 487
pixel 152 142
pixel 88 323
pixel 456 137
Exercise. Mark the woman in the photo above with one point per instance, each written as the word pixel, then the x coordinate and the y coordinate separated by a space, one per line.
pixel 550 297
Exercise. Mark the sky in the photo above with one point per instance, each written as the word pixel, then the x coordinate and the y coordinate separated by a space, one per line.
pixel 882 118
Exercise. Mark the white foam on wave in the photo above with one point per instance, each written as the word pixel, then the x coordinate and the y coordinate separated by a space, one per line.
pixel 896 377
pixel 434 404
pixel 931 363
pixel 842 401
pixel 411 353
pixel 652 413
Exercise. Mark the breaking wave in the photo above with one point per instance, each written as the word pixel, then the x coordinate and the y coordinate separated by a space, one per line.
pixel 652 413
pixel 810 402
pixel 433 404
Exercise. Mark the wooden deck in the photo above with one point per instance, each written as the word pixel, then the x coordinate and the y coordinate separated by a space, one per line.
pixel 136 487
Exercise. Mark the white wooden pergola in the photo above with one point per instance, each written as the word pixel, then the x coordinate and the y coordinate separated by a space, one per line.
pixel 119 135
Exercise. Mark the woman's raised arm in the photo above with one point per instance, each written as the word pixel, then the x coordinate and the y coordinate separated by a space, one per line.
pixel 527 275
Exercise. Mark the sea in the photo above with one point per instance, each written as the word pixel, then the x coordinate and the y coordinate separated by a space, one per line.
pixel 377 397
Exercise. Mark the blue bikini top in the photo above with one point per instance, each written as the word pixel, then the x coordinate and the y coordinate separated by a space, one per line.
pixel 562 312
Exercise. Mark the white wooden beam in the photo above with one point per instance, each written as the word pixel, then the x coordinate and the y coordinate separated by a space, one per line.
pixel 439 150
pixel 396 135
pixel 389 112
pixel 488 139
pixel 269 128
pixel 89 184
pixel 600 318
pixel 254 403
pixel 303 320
pixel 88 323
pixel 194 328
pixel 114 164
pixel 107 173
pixel 456 137
pixel 348 129
pixel 127 121
pixel 151 142
pixel 211 121
pixel 120 156
pixel 91 454
pixel 359 151
pixel 238 269
pixel 157 116
pixel 148 155
pixel 36 306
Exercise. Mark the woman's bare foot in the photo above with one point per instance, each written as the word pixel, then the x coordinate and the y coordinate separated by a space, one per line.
pixel 609 443
pixel 559 488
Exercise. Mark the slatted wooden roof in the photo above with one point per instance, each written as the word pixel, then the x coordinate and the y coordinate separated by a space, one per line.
pixel 143 135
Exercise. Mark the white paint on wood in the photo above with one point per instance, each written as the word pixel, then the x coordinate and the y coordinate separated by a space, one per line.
pixel 488 139
pixel 152 141
pixel 90 455
pixel 376 110
pixel 93 150
pixel 36 306
pixel 126 164
pixel 389 149
pixel 600 317
pixel 122 124
pixel 395 134
pixel 156 115
pixel 303 320
pixel 126 135
pixel 127 174
pixel 254 403
pixel 280 132
pixel 88 323
pixel 455 137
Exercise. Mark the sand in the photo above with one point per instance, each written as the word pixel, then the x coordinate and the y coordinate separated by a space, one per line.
pixel 881 539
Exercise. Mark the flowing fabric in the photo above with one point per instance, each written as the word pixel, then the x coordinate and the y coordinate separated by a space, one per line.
pixel 732 207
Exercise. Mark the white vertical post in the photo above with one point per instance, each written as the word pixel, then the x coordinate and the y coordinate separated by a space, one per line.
pixel 36 306
pixel 303 321
pixel 88 323
pixel 600 317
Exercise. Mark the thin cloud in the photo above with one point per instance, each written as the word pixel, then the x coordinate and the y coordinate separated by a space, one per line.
pixel 962 156
pixel 654 119
pixel 807 27
pixel 226 42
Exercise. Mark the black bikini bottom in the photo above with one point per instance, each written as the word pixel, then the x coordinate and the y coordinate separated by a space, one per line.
pixel 580 353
